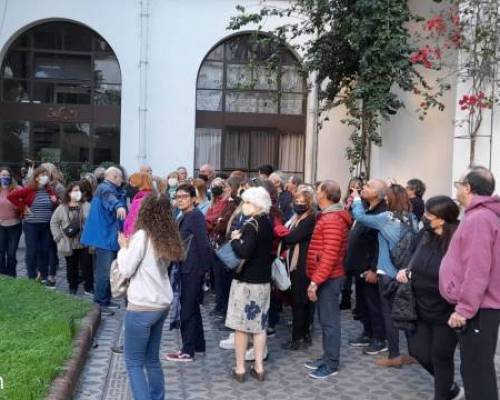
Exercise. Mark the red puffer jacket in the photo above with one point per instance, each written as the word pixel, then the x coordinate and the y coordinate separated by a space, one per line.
pixel 325 257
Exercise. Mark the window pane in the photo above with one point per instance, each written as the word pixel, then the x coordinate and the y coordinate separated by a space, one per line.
pixel 207 147
pixel 14 90
pixel 77 38
pixel 16 65
pixel 14 141
pixel 239 76
pixel 263 149
pixel 48 36
pixel 246 48
pixel 291 159
pixel 251 102
pixel 292 104
pixel 61 93
pixel 291 79
pixel 106 69
pixel 22 41
pixel 76 140
pixel 209 100
pixel 217 54
pixel 57 66
pixel 45 144
pixel 236 151
pixel 101 45
pixel 107 144
pixel 210 76
pixel 107 95
pixel 265 78
pixel 237 49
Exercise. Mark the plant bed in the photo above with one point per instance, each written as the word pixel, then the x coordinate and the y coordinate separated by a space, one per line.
pixel 37 328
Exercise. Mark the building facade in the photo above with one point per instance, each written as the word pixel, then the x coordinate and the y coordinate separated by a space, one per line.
pixel 164 82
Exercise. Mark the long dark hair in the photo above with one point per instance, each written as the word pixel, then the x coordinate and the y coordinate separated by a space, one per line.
pixel 445 208
pixel 155 217
pixel 69 188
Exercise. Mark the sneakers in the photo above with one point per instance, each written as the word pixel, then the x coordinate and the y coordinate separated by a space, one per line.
pixel 375 347
pixel 294 345
pixel 271 332
pixel 227 344
pixel 250 354
pixel 88 293
pixel 106 312
pixel 314 364
pixel 323 372
pixel 113 306
pixel 117 349
pixel 396 362
pixel 457 392
pixel 361 341
pixel 179 357
pixel 50 284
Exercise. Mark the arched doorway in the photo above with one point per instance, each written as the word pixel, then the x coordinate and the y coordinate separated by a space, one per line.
pixel 60 95
pixel 248 115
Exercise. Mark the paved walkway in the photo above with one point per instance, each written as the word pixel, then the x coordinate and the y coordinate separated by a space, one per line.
pixel 207 378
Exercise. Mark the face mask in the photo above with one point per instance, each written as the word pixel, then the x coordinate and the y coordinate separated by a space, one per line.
pixel 172 182
pixel 217 191
pixel 5 181
pixel 427 224
pixel 300 208
pixel 204 177
pixel 76 196
pixel 43 180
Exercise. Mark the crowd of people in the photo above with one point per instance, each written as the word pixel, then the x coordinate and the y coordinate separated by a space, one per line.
pixel 419 267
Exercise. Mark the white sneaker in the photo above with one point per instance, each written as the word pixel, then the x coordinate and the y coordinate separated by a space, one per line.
pixel 250 354
pixel 227 344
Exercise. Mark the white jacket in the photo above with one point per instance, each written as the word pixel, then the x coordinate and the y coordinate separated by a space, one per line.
pixel 150 288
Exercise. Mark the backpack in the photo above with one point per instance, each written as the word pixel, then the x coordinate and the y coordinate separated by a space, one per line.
pixel 402 252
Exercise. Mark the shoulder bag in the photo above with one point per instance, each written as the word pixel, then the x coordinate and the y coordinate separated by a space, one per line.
pixel 280 275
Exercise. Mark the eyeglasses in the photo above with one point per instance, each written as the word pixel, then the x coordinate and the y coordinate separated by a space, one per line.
pixel 182 196
pixel 457 184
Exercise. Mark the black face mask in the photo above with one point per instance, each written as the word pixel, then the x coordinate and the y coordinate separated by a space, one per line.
pixel 203 177
pixel 300 208
pixel 427 224
pixel 217 191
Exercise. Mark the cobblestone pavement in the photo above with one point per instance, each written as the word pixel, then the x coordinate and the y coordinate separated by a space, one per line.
pixel 207 378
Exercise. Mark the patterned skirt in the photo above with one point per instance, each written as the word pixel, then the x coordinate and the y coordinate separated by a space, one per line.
pixel 248 307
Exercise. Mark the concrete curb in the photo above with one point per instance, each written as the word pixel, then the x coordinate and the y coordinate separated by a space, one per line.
pixel 63 387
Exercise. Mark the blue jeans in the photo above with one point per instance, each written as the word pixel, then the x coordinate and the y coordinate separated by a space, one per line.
pixel 103 260
pixel 142 351
pixel 329 320
pixel 9 241
pixel 37 238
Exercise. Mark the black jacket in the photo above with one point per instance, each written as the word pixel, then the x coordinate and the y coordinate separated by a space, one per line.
pixel 194 232
pixel 255 247
pixel 362 250
pixel 424 266
pixel 418 207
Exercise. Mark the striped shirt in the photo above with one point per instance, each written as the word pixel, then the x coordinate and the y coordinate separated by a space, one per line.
pixel 41 209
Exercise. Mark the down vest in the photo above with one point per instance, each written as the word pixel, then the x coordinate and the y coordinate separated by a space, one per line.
pixel 325 257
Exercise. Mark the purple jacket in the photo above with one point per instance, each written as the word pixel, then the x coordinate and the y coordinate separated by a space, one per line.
pixel 469 276
pixel 135 205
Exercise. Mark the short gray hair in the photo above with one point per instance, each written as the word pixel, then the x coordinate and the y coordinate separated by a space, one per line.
pixel 259 197
pixel 113 171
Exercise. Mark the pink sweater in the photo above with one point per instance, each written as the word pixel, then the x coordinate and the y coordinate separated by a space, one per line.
pixel 9 215
pixel 469 276
pixel 135 206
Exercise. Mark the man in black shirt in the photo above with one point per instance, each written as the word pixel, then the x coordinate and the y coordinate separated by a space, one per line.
pixel 361 262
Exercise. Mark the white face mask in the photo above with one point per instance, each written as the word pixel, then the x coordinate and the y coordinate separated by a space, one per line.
pixel 76 196
pixel 172 182
pixel 43 180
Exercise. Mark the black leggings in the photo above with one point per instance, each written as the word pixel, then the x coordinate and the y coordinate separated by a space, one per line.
pixel 433 345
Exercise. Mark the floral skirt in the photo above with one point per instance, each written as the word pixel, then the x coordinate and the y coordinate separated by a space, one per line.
pixel 248 307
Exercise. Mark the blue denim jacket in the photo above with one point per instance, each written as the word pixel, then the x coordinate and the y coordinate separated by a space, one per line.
pixel 102 227
pixel 389 233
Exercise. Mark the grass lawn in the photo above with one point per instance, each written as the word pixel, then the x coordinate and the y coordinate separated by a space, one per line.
pixel 37 326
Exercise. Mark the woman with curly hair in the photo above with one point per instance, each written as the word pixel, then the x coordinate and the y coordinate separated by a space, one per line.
pixel 144 184
pixel 145 259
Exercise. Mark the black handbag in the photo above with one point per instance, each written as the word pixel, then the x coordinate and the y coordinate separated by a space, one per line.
pixel 73 227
